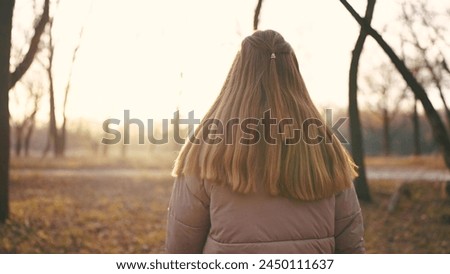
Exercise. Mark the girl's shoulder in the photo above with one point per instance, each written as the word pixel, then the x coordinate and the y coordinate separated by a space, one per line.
pixel 200 188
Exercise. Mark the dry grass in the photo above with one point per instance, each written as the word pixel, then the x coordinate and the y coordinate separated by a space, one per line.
pixel 86 215
pixel 134 160
pixel 428 162
pixel 163 159
pixel 420 223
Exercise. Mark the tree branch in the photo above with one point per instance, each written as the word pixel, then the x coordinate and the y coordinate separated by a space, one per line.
pixel 256 17
pixel 34 44
pixel 439 131
pixel 436 76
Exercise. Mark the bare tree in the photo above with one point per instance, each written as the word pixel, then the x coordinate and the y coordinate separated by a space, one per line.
pixel 8 80
pixel 430 56
pixel 416 129
pixel 361 186
pixel 27 92
pixel 384 99
pixel 24 125
pixel 415 68
pixel 33 48
pixel 6 12
pixel 438 128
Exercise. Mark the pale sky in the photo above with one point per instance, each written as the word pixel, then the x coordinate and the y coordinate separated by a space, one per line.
pixel 133 52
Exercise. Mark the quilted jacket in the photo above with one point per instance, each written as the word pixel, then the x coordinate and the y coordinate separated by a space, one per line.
pixel 210 218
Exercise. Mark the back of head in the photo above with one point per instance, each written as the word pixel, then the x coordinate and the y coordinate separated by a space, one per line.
pixel 263 120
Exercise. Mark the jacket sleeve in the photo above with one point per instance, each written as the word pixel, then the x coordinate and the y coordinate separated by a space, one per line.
pixel 349 229
pixel 188 217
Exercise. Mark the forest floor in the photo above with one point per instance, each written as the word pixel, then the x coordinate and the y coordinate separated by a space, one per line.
pixel 117 206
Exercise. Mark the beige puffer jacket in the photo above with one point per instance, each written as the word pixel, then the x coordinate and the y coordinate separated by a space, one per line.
pixel 210 218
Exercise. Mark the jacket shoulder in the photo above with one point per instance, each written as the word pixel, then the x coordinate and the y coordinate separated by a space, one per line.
pixel 197 187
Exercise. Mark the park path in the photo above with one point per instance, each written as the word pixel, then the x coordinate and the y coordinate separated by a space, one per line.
pixel 378 173
pixel 408 174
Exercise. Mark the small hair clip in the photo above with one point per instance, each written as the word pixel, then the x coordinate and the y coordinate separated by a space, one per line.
pixel 273 56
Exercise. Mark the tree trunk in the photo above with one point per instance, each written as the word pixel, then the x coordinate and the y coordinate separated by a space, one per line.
pixel 438 128
pixel 361 186
pixel 386 138
pixel 105 150
pixel 53 129
pixel 416 128
pixel 6 13
pixel 62 139
pixel 62 135
pixel 256 16
pixel 30 128
pixel 446 108
pixel 19 138
pixel 7 80
pixel 48 145
pixel 28 138
pixel 123 151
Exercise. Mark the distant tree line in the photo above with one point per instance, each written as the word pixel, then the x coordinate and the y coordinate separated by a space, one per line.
pixel 84 140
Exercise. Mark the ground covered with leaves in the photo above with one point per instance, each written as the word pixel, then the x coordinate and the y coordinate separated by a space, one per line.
pixel 127 214
pixel 86 215
pixel 420 223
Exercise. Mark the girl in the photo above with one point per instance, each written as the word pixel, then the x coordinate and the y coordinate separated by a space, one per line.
pixel 275 179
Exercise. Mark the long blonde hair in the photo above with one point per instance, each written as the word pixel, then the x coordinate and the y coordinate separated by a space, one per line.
pixel 265 77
